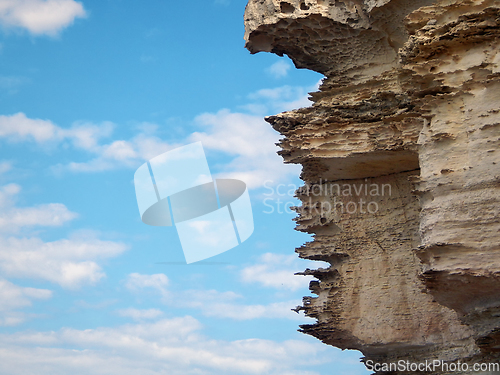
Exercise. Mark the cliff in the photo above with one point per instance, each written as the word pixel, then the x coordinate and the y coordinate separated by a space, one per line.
pixel 401 170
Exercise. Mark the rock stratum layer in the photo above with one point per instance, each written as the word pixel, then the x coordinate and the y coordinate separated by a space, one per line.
pixel 401 165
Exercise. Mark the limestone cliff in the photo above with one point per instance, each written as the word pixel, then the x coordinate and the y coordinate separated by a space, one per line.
pixel 401 170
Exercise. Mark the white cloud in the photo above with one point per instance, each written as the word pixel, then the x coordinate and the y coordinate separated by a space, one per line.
pixel 211 303
pixel 11 84
pixel 277 271
pixel 70 263
pixel 270 101
pixel 5 166
pixel 119 150
pixel 247 138
pixel 123 153
pixel 18 127
pixel 278 93
pixel 137 314
pixel 7 195
pixel 14 297
pixel 227 310
pixel 13 218
pixel 52 215
pixel 85 136
pixel 157 282
pixel 250 140
pixel 279 69
pixel 280 99
pixel 169 346
pixel 81 304
pixel 40 16
pixel 236 133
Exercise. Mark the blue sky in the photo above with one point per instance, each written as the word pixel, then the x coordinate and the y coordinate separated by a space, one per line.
pixel 89 91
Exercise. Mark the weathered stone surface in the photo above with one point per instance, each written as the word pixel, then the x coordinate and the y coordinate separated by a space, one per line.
pixel 411 101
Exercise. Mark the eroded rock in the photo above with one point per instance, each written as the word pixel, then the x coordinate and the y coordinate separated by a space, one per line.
pixel 411 100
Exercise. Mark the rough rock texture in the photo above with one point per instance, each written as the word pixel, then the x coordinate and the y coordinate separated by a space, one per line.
pixel 410 102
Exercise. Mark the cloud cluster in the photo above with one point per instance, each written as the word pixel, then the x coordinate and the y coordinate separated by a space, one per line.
pixel 123 153
pixel 85 137
pixel 140 315
pixel 211 303
pixel 234 134
pixel 276 271
pixel 71 262
pixel 168 346
pixel 40 16
pixel 224 305
pixel 137 283
pixel 14 297
pixel 249 140
pixel 13 218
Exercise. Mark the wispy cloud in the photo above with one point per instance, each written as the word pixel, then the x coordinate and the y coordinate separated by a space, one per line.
pixel 19 128
pixel 86 137
pixel 122 153
pixel 40 16
pixel 246 140
pixel 13 218
pixel 11 84
pixel 139 283
pixel 280 99
pixel 251 142
pixel 70 262
pixel 278 271
pixel 48 215
pixel 224 305
pixel 279 69
pixel 211 303
pixel 5 166
pixel 15 297
pixel 140 314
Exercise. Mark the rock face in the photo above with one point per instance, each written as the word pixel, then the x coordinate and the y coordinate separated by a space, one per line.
pixel 401 165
